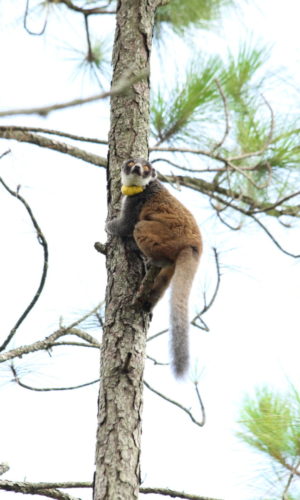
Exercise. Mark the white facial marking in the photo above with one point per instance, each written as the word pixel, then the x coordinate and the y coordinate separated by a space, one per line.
pixel 133 179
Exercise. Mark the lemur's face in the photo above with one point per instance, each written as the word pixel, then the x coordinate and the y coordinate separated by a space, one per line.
pixel 137 172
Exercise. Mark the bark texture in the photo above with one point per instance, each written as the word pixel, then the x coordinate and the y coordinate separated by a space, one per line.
pixel 124 340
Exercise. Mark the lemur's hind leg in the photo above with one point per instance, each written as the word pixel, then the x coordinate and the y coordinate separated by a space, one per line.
pixel 159 287
pixel 153 286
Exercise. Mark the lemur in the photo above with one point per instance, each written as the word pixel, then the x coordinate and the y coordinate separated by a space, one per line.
pixel 167 234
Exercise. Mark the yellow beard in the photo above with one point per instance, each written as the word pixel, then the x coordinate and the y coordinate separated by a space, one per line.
pixel 131 190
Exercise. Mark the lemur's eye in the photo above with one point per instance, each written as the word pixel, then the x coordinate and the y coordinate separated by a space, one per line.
pixel 130 163
pixel 146 168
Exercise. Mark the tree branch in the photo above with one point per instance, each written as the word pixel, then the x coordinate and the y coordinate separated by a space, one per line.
pixel 47 343
pixel 200 424
pixel 33 489
pixel 25 21
pixel 210 189
pixel 86 12
pixel 16 379
pixel 173 494
pixel 285 495
pixel 266 230
pixel 62 147
pixel 43 242
pixel 120 87
pixel 206 307
pixel 227 126
pixel 3 468
pixel 59 133
pixel 51 490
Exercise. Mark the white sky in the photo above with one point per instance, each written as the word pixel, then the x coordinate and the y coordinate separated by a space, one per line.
pixel 254 324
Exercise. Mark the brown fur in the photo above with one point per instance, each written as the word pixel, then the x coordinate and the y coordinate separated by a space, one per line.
pixel 168 235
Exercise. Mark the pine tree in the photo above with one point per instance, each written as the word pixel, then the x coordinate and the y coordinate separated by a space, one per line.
pixel 216 113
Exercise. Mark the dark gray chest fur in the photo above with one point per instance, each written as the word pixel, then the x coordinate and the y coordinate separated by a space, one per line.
pixel 131 208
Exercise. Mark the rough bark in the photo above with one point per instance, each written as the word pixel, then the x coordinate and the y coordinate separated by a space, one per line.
pixel 124 339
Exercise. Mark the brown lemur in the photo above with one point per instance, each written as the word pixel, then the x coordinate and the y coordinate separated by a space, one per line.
pixel 168 236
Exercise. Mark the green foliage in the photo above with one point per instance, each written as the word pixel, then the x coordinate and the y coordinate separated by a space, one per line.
pixel 241 72
pixel 182 14
pixel 93 61
pixel 271 424
pixel 198 97
pixel 186 103
pixel 262 149
pixel 285 149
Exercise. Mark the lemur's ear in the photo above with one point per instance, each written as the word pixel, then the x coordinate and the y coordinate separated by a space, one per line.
pixel 153 174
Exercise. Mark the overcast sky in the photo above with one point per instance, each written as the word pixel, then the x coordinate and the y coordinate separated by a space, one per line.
pixel 254 324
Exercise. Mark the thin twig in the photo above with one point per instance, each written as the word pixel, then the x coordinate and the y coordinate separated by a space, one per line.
pixel 227 125
pixel 200 424
pixel 47 389
pixel 42 241
pixel 173 494
pixel 47 343
pixel 155 362
pixel 213 298
pixel 202 408
pixel 26 19
pixel 267 142
pixel 289 482
pixel 295 256
pixel 87 12
pixel 121 86
pixel 157 335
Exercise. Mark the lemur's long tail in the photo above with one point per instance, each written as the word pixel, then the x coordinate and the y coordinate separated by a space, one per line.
pixel 185 270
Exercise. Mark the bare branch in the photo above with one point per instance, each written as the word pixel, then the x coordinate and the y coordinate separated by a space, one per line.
pixel 157 335
pixel 87 12
pixel 100 247
pixel 155 362
pixel 75 344
pixel 33 489
pixel 62 147
pixel 266 230
pixel 120 87
pixel 5 153
pixel 208 306
pixel 47 343
pixel 285 495
pixel 227 126
pixel 202 408
pixel 64 485
pixel 3 468
pixel 59 133
pixel 296 208
pixel 42 241
pixel 47 389
pixel 267 143
pixel 212 189
pixel 173 494
pixel 25 22
pixel 200 424
pixel 43 488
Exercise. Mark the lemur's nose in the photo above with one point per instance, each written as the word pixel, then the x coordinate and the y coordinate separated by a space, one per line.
pixel 137 169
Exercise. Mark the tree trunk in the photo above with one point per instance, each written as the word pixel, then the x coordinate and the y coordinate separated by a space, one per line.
pixel 124 338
